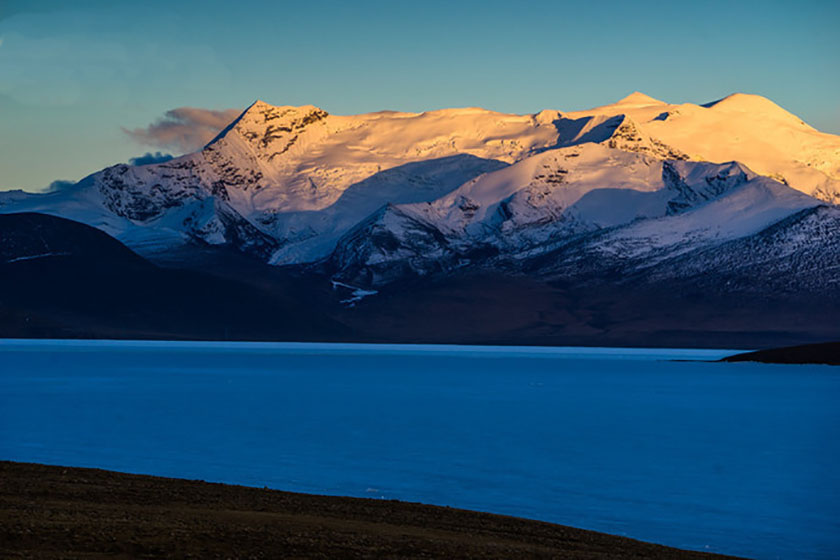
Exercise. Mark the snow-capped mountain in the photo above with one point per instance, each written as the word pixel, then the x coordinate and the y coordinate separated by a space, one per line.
pixel 741 127
pixel 602 204
pixel 381 195
pixel 294 175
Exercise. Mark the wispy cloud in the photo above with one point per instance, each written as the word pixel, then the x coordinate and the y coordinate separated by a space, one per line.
pixel 184 129
pixel 59 185
pixel 149 157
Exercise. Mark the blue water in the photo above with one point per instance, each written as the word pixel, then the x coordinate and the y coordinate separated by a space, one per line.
pixel 734 458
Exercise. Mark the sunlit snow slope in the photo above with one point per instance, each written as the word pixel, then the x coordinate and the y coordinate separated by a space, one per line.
pixel 385 194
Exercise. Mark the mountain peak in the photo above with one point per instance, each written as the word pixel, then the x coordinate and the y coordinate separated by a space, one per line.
pixel 262 123
pixel 744 102
pixel 639 98
pixel 258 106
pixel 755 104
pixel 270 112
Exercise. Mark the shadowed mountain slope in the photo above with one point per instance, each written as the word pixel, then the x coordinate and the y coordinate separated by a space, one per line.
pixel 60 279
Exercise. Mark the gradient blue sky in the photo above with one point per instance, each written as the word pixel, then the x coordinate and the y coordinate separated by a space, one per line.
pixel 73 75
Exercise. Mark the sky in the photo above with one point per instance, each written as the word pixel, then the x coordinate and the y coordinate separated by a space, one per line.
pixel 87 84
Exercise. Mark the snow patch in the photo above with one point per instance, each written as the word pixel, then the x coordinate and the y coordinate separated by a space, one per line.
pixel 356 294
pixel 39 256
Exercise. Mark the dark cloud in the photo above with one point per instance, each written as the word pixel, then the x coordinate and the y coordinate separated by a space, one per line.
pixel 149 157
pixel 185 129
pixel 60 185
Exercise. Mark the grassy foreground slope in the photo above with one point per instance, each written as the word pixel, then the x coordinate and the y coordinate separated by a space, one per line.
pixel 63 512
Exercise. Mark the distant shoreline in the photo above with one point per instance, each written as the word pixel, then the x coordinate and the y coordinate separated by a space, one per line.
pixel 349 345
pixel 52 511
pixel 827 353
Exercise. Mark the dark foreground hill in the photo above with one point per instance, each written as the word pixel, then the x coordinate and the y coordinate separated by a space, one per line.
pixel 826 353
pixel 64 279
pixel 62 512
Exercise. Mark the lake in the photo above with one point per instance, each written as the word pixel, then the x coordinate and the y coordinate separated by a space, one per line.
pixel 734 458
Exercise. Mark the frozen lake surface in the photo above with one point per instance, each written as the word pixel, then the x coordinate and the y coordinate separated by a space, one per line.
pixel 734 458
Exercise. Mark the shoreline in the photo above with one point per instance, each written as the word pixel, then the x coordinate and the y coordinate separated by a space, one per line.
pixel 51 511
pixel 827 353
pixel 345 345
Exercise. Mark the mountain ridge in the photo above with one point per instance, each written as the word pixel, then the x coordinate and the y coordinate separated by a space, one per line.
pixel 275 160
pixel 640 194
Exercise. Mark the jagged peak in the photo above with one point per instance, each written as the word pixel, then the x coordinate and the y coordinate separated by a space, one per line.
pixel 547 116
pixel 626 134
pixel 639 98
pixel 261 111
pixel 257 104
pixel 623 126
pixel 262 120
pixel 626 120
